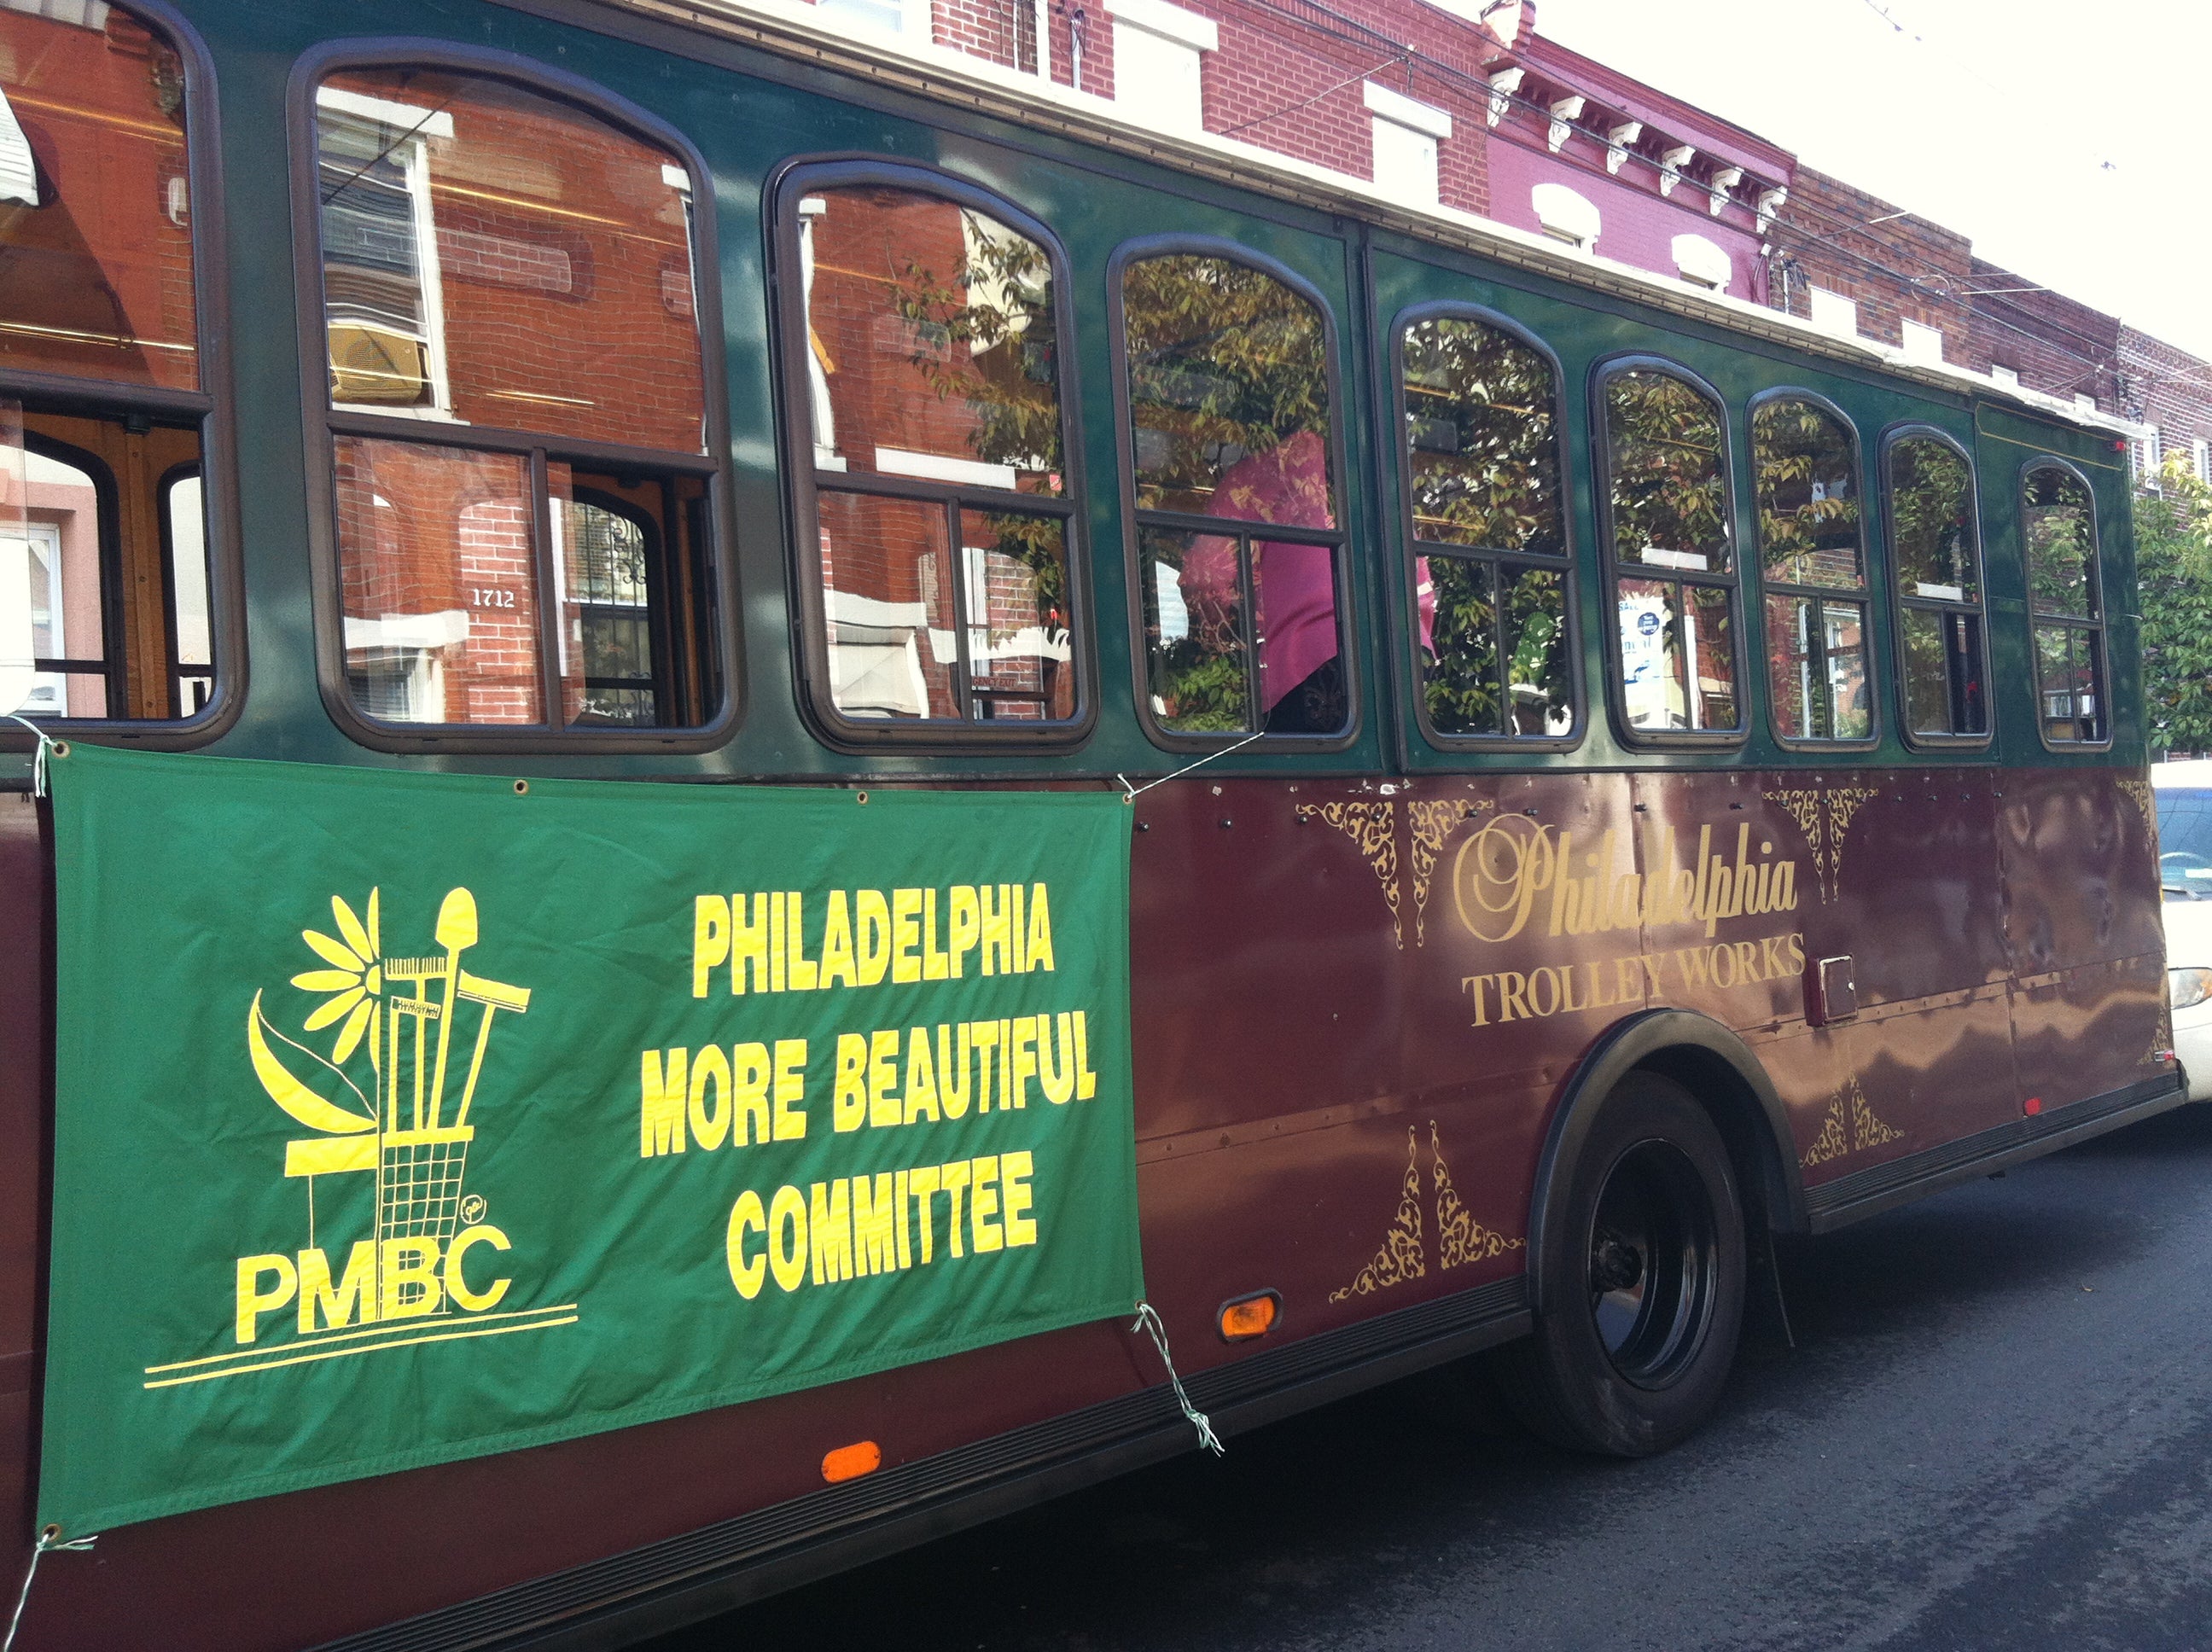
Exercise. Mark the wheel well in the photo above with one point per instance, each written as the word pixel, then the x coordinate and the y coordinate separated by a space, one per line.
pixel 1738 1114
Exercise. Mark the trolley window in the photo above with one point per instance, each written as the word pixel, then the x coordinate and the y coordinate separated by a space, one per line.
pixel 1812 570
pixel 1673 552
pixel 1490 573
pixel 516 405
pixel 1935 548
pixel 928 350
pixel 1239 551
pixel 2058 528
pixel 103 567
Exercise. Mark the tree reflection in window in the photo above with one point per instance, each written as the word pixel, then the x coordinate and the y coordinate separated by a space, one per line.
pixel 2058 528
pixel 1228 381
pixel 1811 556
pixel 1490 571
pixel 1931 499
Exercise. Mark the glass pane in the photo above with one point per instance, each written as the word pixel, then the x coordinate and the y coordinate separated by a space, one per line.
pixel 930 347
pixel 1708 640
pixel 1931 521
pixel 1816 661
pixel 1019 662
pixel 2059 525
pixel 1669 488
pixel 605 559
pixel 887 594
pixel 185 520
pixel 1199 667
pixel 53 631
pixel 1228 392
pixel 1539 697
pixel 1460 674
pixel 1808 495
pixel 1483 454
pixel 493 256
pixel 1942 672
pixel 95 209
pixel 1301 687
pixel 2070 694
pixel 439 584
pixel 1677 655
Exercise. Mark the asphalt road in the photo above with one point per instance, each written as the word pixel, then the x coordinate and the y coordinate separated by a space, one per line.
pixel 1995 1430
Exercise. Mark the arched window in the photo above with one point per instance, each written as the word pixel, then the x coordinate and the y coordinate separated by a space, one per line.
pixel 514 361
pixel 1672 551
pixel 2058 529
pixel 926 337
pixel 1812 553
pixel 104 574
pixel 1231 447
pixel 1491 570
pixel 1934 547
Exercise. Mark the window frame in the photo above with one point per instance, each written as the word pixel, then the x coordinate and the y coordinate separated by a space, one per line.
pixel 1870 576
pixel 325 419
pixel 1135 521
pixel 211 410
pixel 1602 374
pixel 791 183
pixel 1569 562
pixel 2097 627
pixel 1898 602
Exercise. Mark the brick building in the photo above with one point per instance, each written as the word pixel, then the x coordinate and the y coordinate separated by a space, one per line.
pixel 2026 334
pixel 2170 391
pixel 1858 265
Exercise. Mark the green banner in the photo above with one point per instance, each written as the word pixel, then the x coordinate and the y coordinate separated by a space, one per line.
pixel 403 1118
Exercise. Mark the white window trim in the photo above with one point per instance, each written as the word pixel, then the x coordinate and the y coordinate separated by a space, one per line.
pixel 1567 217
pixel 2200 452
pixel 1169 22
pixel 1842 313
pixel 1930 347
pixel 1403 111
pixel 917 21
pixel 410 117
pixel 1702 263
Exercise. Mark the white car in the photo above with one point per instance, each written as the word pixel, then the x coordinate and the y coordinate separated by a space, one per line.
pixel 2183 791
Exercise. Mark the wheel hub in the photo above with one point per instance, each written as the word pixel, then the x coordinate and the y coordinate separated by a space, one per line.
pixel 1615 1265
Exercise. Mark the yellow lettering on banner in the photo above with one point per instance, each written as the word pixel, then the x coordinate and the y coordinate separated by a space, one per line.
pixel 710 1121
pixel 410 1281
pixel 965 919
pixel 829 1231
pixel 1039 949
pixel 749 944
pixel 998 936
pixel 1086 1081
pixel 872 918
pixel 660 1115
pixel 983 1204
pixel 252 1300
pixel 710 939
pixel 790 1089
pixel 457 1281
pixel 921 1187
pixel 748 1095
pixel 899 1198
pixel 1024 1058
pixel 1057 1079
pixel 787 1238
pixel 1015 928
pixel 1014 1172
pixel 1006 1064
pixel 920 1080
pixel 906 934
pixel 837 942
pixel 874 1208
pixel 933 961
pixel 803 970
pixel 953 1054
pixel 953 1182
pixel 848 1101
pixel 883 1077
pixel 983 1036
pixel 776 937
pixel 746 1215
pixel 355 1292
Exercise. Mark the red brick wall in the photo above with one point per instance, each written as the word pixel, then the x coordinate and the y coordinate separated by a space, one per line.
pixel 2168 387
pixel 2056 344
pixel 1906 269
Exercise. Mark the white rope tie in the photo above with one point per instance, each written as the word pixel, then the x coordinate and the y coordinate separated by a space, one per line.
pixel 1148 1320
pixel 1132 793
pixel 38 780
pixel 49 1539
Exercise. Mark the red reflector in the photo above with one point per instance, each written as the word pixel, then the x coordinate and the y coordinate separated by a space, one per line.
pixel 849 1462
pixel 2032 1106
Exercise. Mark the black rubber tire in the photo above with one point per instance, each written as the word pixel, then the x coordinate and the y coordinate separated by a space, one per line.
pixel 1635 1370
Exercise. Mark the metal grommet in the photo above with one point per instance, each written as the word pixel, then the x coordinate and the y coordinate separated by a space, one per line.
pixel 61 748
pixel 859 796
pixel 521 787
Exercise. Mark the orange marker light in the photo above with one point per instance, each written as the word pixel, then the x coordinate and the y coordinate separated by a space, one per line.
pixel 1249 1316
pixel 849 1462
pixel 2032 1106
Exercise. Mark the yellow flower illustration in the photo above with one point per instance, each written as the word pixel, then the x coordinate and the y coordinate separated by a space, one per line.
pixel 354 979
